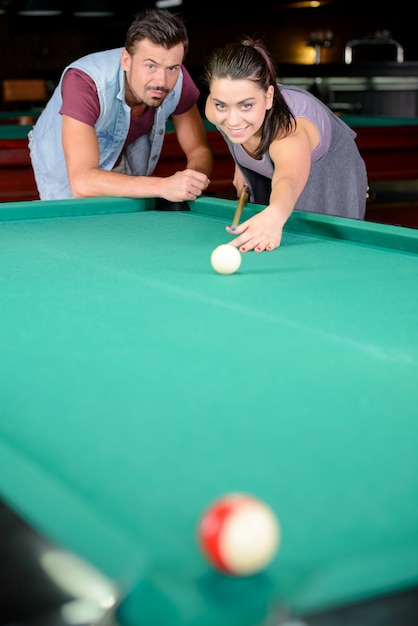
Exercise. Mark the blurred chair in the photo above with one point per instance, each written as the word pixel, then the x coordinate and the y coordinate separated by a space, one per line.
pixel 24 93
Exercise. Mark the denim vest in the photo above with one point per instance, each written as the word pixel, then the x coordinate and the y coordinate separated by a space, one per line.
pixel 112 127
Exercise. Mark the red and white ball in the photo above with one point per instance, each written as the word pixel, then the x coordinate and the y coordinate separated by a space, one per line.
pixel 239 534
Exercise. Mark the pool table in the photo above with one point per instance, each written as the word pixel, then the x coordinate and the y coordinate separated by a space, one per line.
pixel 137 386
pixel 389 145
pixel 20 116
pixel 17 181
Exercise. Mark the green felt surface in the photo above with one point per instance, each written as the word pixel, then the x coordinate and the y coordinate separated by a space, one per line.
pixel 10 126
pixel 15 131
pixel 137 385
pixel 358 121
pixel 355 121
pixel 11 115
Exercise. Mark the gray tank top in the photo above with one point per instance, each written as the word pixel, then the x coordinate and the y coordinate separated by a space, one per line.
pixel 337 183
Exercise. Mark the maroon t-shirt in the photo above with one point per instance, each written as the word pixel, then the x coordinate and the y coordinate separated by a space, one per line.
pixel 81 102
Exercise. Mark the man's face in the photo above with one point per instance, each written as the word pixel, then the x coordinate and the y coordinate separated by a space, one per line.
pixel 151 72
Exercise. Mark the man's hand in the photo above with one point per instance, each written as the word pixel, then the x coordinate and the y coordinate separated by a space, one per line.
pixel 185 185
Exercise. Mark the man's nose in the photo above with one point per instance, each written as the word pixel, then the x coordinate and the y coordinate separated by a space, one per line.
pixel 160 77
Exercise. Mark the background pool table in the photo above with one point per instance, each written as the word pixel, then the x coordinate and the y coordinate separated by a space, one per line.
pixel 20 116
pixel 137 385
pixel 388 145
pixel 17 181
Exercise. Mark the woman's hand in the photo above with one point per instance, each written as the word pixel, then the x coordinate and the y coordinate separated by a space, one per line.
pixel 260 232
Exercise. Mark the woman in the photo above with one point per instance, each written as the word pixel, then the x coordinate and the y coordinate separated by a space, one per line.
pixel 290 150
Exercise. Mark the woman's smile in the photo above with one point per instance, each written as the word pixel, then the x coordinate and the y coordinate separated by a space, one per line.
pixel 236 132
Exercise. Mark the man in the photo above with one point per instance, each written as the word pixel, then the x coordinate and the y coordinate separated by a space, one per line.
pixel 102 131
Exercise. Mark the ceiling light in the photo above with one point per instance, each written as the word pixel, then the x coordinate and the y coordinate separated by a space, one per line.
pixel 93 8
pixel 40 8
pixel 166 4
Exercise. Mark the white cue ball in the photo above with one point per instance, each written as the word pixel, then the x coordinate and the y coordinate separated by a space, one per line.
pixel 225 259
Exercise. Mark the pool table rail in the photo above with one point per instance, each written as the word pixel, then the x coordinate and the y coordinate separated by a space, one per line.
pixel 368 233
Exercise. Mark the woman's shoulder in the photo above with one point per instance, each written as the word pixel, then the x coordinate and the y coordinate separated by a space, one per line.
pixel 299 99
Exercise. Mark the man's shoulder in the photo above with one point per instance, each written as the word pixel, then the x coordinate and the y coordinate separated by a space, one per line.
pixel 101 57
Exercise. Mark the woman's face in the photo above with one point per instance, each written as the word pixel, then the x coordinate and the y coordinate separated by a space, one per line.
pixel 239 107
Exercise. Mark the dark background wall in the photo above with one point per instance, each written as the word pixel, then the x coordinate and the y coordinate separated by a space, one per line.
pixel 42 46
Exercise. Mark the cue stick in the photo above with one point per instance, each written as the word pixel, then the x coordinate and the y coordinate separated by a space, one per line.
pixel 238 211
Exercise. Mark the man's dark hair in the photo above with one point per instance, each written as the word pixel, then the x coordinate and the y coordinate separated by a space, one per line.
pixel 160 26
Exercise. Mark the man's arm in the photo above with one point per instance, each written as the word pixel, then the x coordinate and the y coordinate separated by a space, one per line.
pixel 193 140
pixel 87 180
